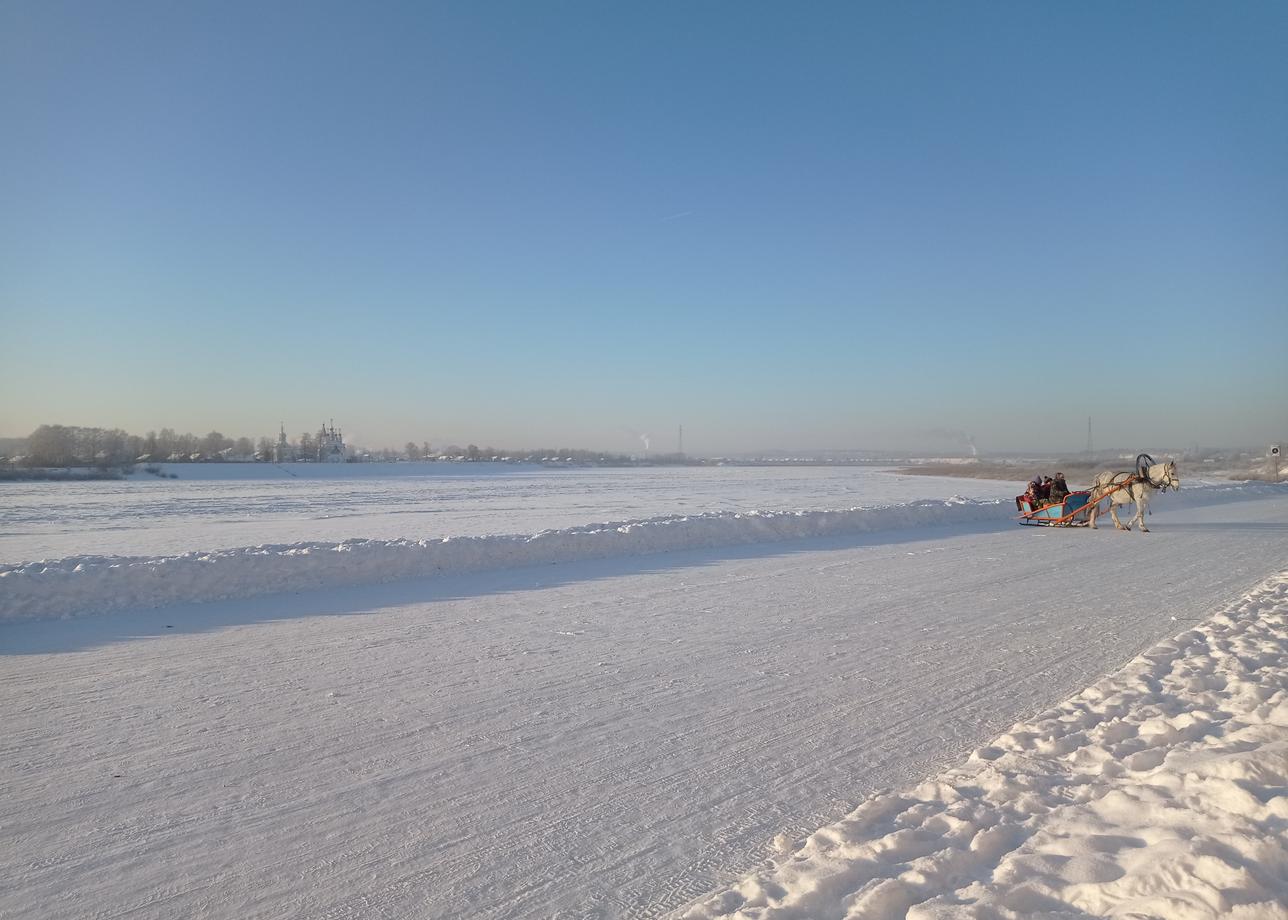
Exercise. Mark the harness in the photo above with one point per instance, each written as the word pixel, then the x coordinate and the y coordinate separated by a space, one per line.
pixel 1120 481
pixel 1144 463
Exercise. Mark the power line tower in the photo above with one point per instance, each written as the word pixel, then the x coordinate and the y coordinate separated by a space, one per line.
pixel 1089 448
pixel 681 440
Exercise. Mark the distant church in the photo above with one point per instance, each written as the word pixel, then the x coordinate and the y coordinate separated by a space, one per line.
pixel 282 450
pixel 330 445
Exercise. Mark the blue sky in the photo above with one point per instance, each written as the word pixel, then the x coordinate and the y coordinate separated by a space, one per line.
pixel 780 225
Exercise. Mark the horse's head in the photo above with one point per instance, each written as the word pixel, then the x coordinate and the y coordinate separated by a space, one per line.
pixel 1164 476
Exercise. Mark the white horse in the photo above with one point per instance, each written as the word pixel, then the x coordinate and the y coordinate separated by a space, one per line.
pixel 1132 488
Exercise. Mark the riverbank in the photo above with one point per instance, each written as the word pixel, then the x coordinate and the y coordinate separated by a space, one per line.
pixel 1074 470
pixel 1005 470
pixel 74 474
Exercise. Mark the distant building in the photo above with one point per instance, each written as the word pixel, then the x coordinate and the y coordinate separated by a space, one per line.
pixel 282 452
pixel 327 448
pixel 331 445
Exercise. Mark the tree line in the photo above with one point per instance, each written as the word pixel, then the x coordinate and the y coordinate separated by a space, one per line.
pixel 108 448
pixel 73 445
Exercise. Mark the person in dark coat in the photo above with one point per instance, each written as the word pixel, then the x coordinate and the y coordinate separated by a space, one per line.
pixel 1059 488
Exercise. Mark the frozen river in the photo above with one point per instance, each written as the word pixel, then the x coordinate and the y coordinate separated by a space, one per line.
pixel 222 506
pixel 615 737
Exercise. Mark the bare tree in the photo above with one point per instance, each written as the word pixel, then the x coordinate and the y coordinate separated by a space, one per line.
pixel 52 445
pixel 213 443
pixel 112 448
pixel 167 443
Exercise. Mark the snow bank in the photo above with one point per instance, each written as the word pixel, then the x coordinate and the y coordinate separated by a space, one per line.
pixel 92 584
pixel 1161 791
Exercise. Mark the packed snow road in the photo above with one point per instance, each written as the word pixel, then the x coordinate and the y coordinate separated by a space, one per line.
pixel 607 738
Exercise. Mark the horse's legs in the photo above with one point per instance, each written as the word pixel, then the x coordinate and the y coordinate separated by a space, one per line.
pixel 1095 513
pixel 1142 504
pixel 1113 513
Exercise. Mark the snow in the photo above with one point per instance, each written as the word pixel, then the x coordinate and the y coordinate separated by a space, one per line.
pixel 1157 792
pixel 662 714
pixel 216 506
pixel 96 584
pixel 80 584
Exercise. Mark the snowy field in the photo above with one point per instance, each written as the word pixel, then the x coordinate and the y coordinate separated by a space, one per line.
pixel 802 693
pixel 228 505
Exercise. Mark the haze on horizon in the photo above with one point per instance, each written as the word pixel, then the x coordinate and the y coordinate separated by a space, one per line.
pixel 848 226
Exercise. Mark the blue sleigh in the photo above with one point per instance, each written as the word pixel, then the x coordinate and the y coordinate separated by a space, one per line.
pixel 1074 511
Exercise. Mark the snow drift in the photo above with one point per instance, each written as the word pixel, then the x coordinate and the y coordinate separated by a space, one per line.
pixel 1159 791
pixel 94 584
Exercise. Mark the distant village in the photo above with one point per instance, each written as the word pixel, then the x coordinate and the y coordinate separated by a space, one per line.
pixel 81 452
pixel 103 449
pixel 70 445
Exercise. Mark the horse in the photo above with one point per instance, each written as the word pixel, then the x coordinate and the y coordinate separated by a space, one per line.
pixel 1132 488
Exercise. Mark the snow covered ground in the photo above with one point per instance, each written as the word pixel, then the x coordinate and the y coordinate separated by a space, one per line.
pixel 1160 791
pixel 620 733
pixel 229 505
pixel 725 508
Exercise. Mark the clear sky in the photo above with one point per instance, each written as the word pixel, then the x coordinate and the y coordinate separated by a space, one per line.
pixel 848 225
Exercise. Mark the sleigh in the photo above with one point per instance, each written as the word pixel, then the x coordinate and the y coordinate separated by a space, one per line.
pixel 1072 512
pixel 1077 507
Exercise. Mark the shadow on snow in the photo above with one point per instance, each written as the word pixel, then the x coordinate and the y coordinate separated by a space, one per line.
pixel 73 634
